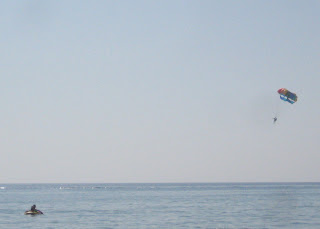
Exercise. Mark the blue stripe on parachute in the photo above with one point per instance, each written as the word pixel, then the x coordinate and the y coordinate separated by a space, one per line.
pixel 285 98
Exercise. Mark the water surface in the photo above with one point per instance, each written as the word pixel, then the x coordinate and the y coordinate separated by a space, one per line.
pixel 195 205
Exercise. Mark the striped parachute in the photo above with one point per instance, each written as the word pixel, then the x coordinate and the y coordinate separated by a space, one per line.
pixel 287 95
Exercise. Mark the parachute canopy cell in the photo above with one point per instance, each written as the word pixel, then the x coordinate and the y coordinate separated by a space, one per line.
pixel 287 95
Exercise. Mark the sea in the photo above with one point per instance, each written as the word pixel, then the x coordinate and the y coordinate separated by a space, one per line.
pixel 153 205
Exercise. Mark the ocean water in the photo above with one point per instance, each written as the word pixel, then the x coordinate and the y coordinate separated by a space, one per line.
pixel 195 205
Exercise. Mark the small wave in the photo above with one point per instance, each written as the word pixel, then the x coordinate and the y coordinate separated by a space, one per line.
pixel 2 187
pixel 67 187
pixel 83 187
pixel 99 187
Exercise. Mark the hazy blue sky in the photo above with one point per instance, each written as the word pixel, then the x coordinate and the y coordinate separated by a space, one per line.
pixel 159 91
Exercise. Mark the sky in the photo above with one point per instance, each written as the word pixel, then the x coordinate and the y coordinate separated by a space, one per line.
pixel 159 91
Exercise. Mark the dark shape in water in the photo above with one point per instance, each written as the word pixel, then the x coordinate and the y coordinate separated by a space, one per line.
pixel 33 211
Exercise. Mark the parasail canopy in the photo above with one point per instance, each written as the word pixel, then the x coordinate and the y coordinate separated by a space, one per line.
pixel 287 95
